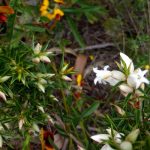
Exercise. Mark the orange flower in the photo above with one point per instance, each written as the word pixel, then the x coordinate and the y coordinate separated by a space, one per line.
pixel 5 10
pixel 44 137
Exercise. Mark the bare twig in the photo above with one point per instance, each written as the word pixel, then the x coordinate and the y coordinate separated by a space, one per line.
pixel 73 51
pixel 97 46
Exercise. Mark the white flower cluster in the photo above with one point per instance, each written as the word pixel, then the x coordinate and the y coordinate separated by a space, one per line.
pixel 117 139
pixel 132 79
pixel 40 56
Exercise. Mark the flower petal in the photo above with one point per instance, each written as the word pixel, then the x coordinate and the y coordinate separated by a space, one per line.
pixel 45 59
pixel 125 88
pixel 118 75
pixel 127 61
pixel 37 49
pixel 2 95
pixel 100 137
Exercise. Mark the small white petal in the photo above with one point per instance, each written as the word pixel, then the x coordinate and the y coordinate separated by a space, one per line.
pixel 119 110
pixel 144 80
pixel 21 123
pixel 45 59
pixel 137 78
pixel 97 80
pixel 48 53
pixel 2 95
pixel 100 137
pixel 95 70
pixel 35 127
pixel 5 78
pixel 127 61
pixel 66 78
pixel 42 81
pixel 41 109
pixel 37 48
pixel 36 60
pixel 106 67
pixel 41 87
pixel 107 147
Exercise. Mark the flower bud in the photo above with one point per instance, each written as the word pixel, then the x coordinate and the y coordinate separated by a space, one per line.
pixel 45 59
pixel 36 60
pixel 41 87
pixel 2 95
pixel 126 145
pixel 21 123
pixel 35 127
pixel 131 137
pixel 37 48
pixel 66 78
pixel 1 141
pixel 41 109
pixel 119 110
pixel 5 78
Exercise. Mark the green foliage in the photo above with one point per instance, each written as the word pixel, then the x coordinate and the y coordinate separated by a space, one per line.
pixel 33 92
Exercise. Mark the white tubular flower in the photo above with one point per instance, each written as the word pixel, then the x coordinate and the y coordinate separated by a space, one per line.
pixel 66 78
pixel 37 48
pixel 40 56
pixel 102 75
pixel 2 95
pixel 100 137
pixel 21 123
pixel 105 137
pixel 116 77
pixel 45 59
pixel 125 89
pixel 137 78
pixel 116 136
pixel 41 87
pixel 127 61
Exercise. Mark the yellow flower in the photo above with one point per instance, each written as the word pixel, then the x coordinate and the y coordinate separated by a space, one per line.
pixel 91 57
pixel 59 1
pixel 44 13
pixel 57 14
pixel 147 67
pixel 46 3
pixel 44 7
pixel 79 79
